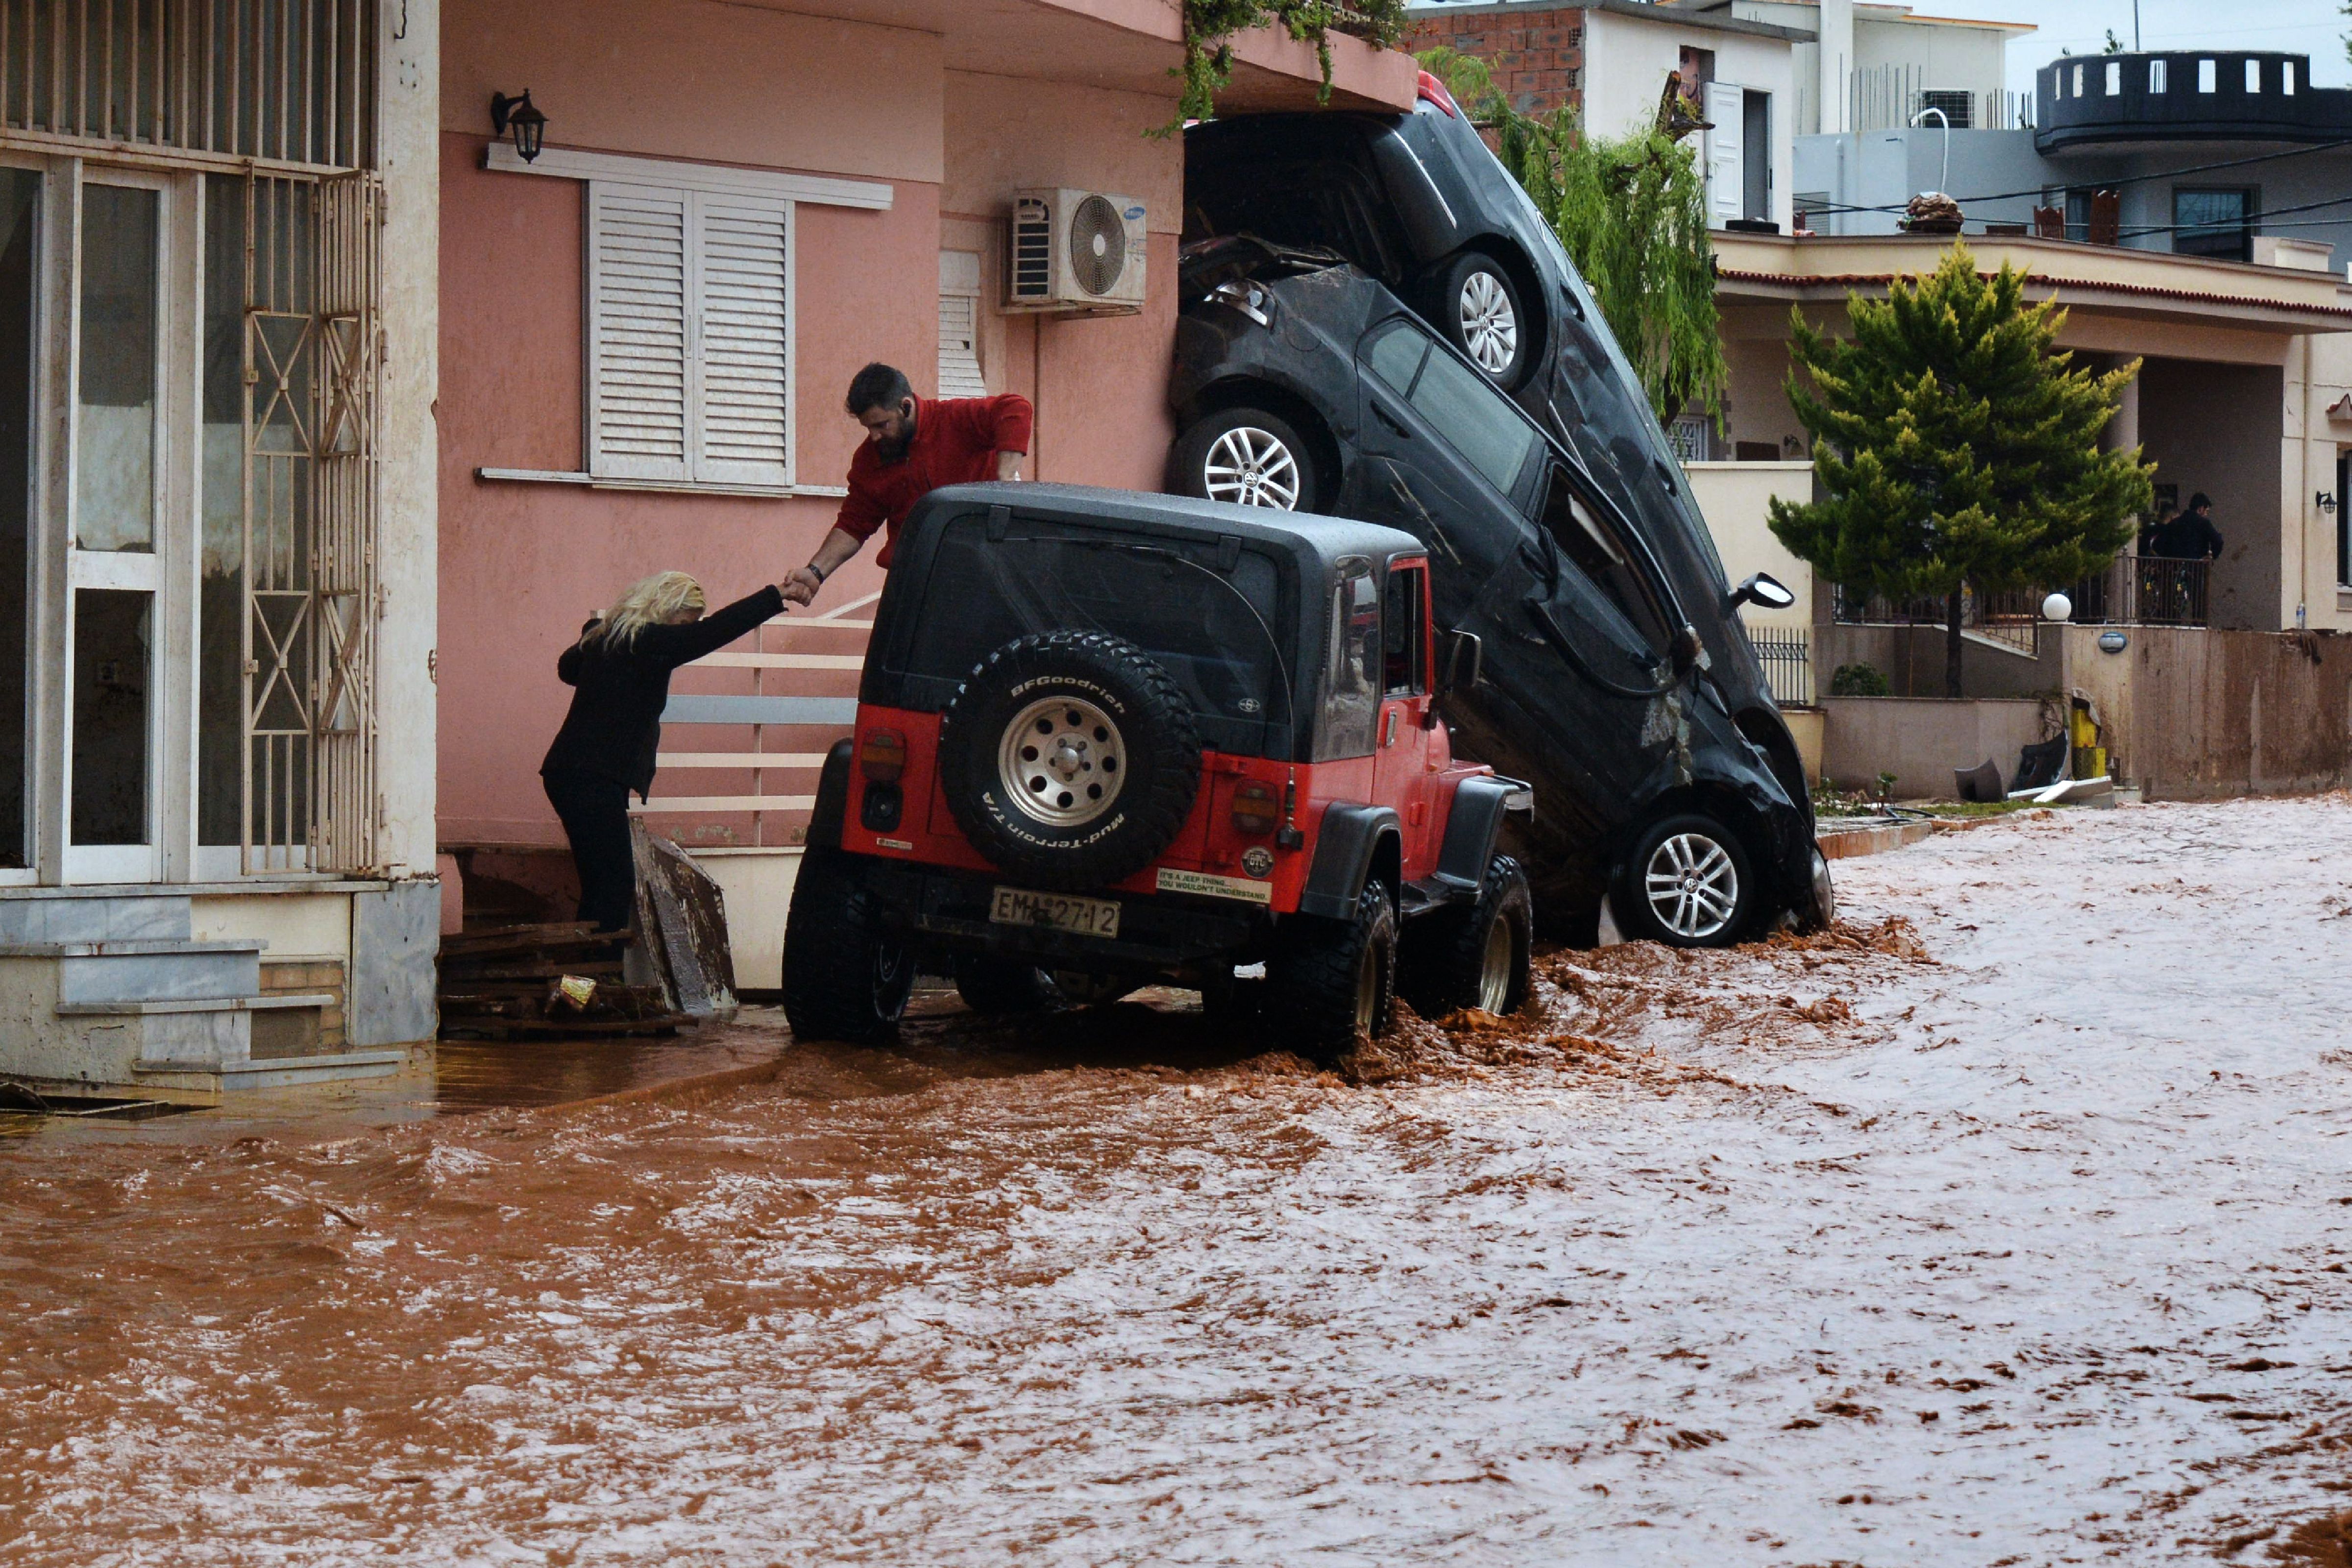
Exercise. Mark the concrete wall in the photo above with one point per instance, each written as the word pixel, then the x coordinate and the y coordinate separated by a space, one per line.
pixel 2197 715
pixel 1912 660
pixel 1733 498
pixel 1921 741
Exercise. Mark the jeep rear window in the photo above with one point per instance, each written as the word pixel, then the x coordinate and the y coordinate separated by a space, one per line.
pixel 1209 628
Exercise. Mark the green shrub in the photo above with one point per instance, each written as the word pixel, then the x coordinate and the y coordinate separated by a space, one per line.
pixel 1859 681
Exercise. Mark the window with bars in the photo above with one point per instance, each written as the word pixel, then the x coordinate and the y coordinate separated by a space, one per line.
pixel 691 340
pixel 290 81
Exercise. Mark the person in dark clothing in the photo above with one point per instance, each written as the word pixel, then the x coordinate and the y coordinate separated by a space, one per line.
pixel 620 670
pixel 2192 536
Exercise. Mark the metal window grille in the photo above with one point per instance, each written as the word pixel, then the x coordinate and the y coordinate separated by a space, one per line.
pixel 312 371
pixel 287 81
pixel 1787 655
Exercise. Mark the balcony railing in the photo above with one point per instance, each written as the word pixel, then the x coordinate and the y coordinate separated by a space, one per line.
pixel 2134 589
pixel 1787 655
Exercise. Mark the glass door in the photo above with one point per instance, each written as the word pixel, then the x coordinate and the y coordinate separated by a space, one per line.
pixel 113 579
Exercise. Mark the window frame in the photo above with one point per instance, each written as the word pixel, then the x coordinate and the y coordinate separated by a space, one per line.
pixel 696 467
pixel 2251 204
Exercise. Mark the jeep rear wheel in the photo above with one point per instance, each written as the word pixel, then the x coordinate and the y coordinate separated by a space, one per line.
pixel 1334 982
pixel 1069 759
pixel 846 975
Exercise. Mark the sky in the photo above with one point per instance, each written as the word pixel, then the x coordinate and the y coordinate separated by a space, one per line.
pixel 2314 27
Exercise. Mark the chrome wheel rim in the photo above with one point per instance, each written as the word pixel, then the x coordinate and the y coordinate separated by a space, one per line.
pixel 1495 968
pixel 1692 886
pixel 1250 467
pixel 1489 326
pixel 1061 762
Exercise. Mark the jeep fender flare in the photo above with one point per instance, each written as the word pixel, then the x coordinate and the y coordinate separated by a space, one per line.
pixel 832 806
pixel 1347 845
pixel 1471 824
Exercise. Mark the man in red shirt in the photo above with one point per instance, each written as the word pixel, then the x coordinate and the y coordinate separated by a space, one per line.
pixel 912 446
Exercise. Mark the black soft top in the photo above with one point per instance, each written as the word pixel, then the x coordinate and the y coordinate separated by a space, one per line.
pixel 1314 545
pixel 936 601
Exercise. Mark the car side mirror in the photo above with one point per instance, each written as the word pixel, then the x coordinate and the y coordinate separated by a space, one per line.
pixel 1763 589
pixel 1463 662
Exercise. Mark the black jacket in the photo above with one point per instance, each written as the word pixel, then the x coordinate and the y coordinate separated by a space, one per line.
pixel 615 718
pixel 2188 537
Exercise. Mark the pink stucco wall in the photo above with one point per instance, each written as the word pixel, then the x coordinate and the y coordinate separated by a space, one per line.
pixel 523 563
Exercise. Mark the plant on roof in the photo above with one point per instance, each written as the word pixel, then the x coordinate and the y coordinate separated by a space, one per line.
pixel 1210 27
pixel 1957 447
pixel 1631 212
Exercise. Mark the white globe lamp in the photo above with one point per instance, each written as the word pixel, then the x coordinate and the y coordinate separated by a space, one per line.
pixel 2057 607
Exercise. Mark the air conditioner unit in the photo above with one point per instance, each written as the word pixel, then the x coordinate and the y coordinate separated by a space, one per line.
pixel 1075 253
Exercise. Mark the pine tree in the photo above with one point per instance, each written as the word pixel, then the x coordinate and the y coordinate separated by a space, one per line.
pixel 1956 447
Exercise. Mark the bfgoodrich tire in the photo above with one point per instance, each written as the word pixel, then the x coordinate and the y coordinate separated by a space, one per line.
pixel 1473 957
pixel 1334 982
pixel 1248 457
pixel 846 975
pixel 1069 759
pixel 1687 883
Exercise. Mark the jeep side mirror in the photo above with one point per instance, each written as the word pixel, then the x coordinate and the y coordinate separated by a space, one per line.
pixel 1464 663
pixel 1763 589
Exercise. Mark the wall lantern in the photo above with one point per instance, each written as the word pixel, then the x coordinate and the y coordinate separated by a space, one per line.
pixel 522 117
pixel 2058 608
pixel 2112 641
pixel 2326 501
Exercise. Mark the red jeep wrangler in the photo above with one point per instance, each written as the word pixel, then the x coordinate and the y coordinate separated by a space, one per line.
pixel 1107 739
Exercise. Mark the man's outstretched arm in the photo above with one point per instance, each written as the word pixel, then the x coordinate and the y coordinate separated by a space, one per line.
pixel 802 584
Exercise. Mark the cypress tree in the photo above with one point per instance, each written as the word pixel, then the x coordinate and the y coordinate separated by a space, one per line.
pixel 1956 447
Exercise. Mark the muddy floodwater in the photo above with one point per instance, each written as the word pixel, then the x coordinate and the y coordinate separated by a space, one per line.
pixel 2008 1224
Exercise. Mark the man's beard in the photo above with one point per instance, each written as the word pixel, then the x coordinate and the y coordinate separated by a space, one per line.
pixel 891 451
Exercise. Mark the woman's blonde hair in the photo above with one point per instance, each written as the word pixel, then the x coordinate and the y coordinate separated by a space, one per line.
pixel 650 602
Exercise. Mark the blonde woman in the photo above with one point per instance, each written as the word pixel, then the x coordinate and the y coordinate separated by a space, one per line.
pixel 620 672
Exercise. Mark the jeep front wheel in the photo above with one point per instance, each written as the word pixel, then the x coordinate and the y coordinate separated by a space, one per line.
pixel 1069 759
pixel 1473 957
pixel 846 975
pixel 1332 983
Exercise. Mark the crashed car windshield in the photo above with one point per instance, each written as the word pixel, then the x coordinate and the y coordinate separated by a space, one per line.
pixel 1210 623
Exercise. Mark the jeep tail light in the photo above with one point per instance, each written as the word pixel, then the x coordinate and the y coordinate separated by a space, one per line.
pixel 1430 90
pixel 1255 810
pixel 882 755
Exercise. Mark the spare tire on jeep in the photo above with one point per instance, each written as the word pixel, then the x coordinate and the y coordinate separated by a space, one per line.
pixel 1069 759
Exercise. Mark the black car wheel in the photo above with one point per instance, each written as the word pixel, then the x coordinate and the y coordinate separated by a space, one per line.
pixel 996 985
pixel 1687 884
pixel 1475 957
pixel 1249 457
pixel 1070 759
pixel 1334 982
pixel 846 975
pixel 1478 310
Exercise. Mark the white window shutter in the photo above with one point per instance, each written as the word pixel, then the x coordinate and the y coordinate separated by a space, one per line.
pixel 1727 168
pixel 640 394
pixel 743 429
pixel 959 325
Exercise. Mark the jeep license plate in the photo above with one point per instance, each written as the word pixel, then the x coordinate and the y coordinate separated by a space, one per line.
pixel 1086 917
